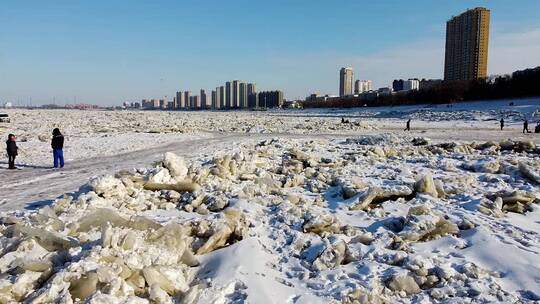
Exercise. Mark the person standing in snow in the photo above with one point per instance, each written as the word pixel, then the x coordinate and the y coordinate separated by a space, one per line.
pixel 11 151
pixel 502 123
pixel 526 126
pixel 408 125
pixel 57 145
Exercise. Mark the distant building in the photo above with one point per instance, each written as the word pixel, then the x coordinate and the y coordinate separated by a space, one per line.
pixel 253 100
pixel 203 100
pixel 243 100
pixel 155 103
pixel 187 99
pixel 466 52
pixel 235 94
pixel 397 85
pixel 385 91
pixel 361 86
pixel 411 84
pixel 346 81
pixel 162 104
pixel 213 100
pixel 228 95
pixel 221 98
pixel 145 104
pixel 180 100
pixel 317 98
pixel 270 99
pixel 8 105
pixel 429 83
pixel 251 88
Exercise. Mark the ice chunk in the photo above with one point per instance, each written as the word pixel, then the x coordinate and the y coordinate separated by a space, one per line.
pixel 176 165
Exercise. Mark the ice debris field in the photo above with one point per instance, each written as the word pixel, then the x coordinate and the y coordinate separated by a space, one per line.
pixel 376 218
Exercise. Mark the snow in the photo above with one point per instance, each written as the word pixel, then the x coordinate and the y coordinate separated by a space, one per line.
pixel 275 207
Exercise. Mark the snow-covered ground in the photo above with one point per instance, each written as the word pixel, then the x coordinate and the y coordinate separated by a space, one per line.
pixel 277 207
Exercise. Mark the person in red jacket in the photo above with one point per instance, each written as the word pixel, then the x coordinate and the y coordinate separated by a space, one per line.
pixel 11 150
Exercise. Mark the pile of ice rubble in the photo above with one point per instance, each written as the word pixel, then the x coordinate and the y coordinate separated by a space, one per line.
pixel 367 220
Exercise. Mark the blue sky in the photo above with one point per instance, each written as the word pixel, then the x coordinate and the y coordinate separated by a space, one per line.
pixel 107 52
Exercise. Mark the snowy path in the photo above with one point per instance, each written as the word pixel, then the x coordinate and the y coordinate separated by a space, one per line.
pixel 34 186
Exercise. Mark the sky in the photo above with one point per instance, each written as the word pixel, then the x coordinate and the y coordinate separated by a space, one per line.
pixel 108 52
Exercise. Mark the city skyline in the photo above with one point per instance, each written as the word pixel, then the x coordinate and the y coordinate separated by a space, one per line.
pixel 79 52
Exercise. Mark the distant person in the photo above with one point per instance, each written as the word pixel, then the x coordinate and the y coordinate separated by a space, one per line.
pixel 502 123
pixel 526 126
pixel 11 147
pixel 537 128
pixel 408 125
pixel 57 145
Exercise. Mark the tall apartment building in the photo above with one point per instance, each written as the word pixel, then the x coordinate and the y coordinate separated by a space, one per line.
pixel 203 99
pixel 213 100
pixel 235 94
pixel 180 100
pixel 270 99
pixel 228 95
pixel 253 100
pixel 243 95
pixel 346 81
pixel 221 98
pixel 251 88
pixel 466 53
pixel 187 99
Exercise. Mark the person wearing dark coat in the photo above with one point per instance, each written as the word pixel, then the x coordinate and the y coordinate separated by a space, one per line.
pixel 408 125
pixel 526 127
pixel 502 123
pixel 11 150
pixel 57 145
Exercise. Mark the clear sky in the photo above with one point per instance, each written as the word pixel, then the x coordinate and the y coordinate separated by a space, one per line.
pixel 107 52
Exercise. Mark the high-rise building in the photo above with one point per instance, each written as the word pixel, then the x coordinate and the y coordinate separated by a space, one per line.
pixel 221 99
pixel 187 99
pixel 243 95
pixel 270 99
pixel 203 99
pixel 253 100
pixel 214 98
pixel 228 95
pixel 467 37
pixel 346 81
pixel 251 88
pixel 235 94
pixel 361 86
pixel 180 100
